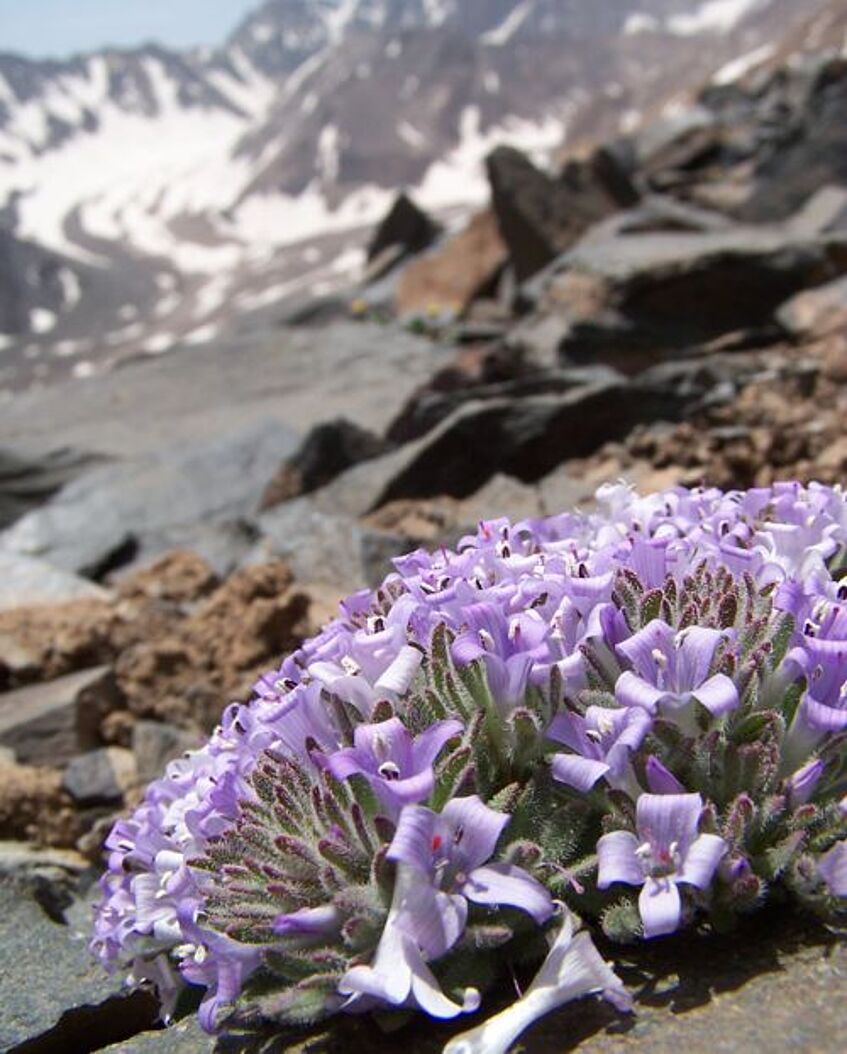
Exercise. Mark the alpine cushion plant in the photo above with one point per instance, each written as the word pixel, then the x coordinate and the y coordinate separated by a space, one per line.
pixel 630 719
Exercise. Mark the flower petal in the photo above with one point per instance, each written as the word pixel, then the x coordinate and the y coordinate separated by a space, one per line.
pixel 616 860
pixel 386 741
pixel 412 841
pixel 639 649
pixel 718 694
pixel 631 690
pixel 663 819
pixel 701 860
pixel 577 772
pixel 660 907
pixel 508 884
pixel 476 830
pixel 400 674
pixel 832 867
pixel 428 744
pixel 696 647
pixel 659 779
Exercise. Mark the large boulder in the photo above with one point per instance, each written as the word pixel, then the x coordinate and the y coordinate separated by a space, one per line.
pixel 115 513
pixel 328 449
pixel 404 231
pixel 26 481
pixel 632 297
pixel 448 279
pixel 540 216
pixel 525 437
pixel 53 995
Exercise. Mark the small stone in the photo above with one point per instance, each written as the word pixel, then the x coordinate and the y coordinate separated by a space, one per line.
pixel 155 743
pixel 101 777
pixel 51 723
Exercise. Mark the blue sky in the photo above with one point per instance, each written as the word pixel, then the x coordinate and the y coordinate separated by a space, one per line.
pixel 57 28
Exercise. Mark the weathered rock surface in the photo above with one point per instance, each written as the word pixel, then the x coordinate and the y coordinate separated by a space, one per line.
pixel 325 453
pixel 447 279
pixel 540 216
pixel 53 996
pixel 109 515
pixel 51 723
pixel 24 579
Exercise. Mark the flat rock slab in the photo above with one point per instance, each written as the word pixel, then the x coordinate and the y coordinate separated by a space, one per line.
pixel 298 378
pixel 53 996
pixel 778 984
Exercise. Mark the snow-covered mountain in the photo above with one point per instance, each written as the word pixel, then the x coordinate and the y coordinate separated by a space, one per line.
pixel 147 194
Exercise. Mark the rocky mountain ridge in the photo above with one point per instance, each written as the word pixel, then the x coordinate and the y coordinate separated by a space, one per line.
pixel 147 196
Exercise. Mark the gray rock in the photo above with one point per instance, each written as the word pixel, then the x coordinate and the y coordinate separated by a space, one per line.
pixel 51 723
pixel 26 481
pixel 184 1037
pixel 328 450
pixel 539 216
pixel 25 580
pixel 816 312
pixel 629 299
pixel 222 545
pixel 104 518
pixel 155 743
pixel 524 437
pixel 52 992
pixel 322 543
pixel 100 777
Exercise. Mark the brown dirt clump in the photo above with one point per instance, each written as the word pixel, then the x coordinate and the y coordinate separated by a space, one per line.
pixel 34 807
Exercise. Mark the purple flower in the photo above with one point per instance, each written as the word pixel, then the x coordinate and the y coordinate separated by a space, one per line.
pixel 661 780
pixel 601 741
pixel 398 974
pixel 801 785
pixel 309 922
pixel 507 646
pixel 398 767
pixel 832 867
pixel 670 669
pixel 573 968
pixel 452 849
pixel 668 851
pixel 822 658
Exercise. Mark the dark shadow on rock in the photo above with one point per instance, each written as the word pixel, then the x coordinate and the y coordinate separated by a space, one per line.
pixel 667 977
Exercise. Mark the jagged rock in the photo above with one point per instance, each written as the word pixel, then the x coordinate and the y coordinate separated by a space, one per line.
pixel 26 580
pixel 450 277
pixel 34 805
pixel 155 743
pixel 539 216
pixel 326 451
pixel 52 722
pixel 53 995
pixel 524 437
pixel 432 404
pixel 816 312
pixel 323 543
pixel 630 299
pixel 100 777
pixel 102 520
pixel 405 230
pixel 182 1037
pixel 26 482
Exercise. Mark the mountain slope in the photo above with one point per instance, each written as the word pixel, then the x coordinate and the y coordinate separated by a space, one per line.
pixel 173 190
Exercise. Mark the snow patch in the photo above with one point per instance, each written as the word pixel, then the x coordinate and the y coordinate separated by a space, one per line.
pixel 411 135
pixel 638 22
pixel 41 320
pixel 497 38
pixel 736 69
pixel 714 16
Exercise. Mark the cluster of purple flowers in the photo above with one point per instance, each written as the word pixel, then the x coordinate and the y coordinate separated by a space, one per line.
pixel 672 667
